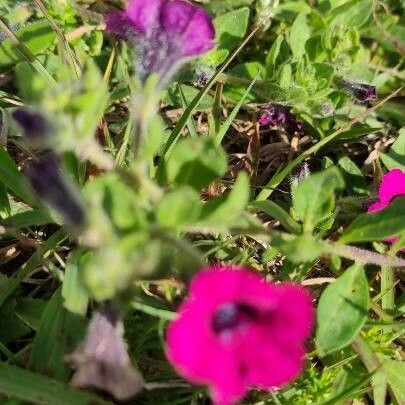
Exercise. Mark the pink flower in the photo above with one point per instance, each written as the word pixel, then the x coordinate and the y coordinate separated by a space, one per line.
pixel 237 331
pixel 164 33
pixel 391 186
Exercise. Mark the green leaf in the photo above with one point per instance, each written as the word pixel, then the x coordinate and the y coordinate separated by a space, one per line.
pixel 75 295
pixel 278 213
pixel 395 157
pixel 12 178
pixel 30 311
pixel 342 310
pixel 196 162
pixel 37 37
pixel 179 207
pixel 271 58
pixel 376 226
pixel 314 198
pixel 5 208
pixel 29 218
pixel 352 13
pixel 34 262
pixel 353 176
pixel 231 27
pixel 299 35
pixel 58 335
pixel 35 388
pixel 395 371
pixel 225 126
pixel 12 328
pixel 285 79
pixel 226 211
pixel 108 195
pixel 299 249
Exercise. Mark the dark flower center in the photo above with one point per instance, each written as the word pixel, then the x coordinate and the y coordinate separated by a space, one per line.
pixel 230 316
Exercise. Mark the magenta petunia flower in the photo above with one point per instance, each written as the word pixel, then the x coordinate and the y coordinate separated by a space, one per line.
pixel 163 32
pixel 237 331
pixel 391 186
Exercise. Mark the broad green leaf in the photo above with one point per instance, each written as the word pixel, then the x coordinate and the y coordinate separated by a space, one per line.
pixel 395 157
pixel 299 35
pixel 108 195
pixel 342 310
pixel 393 111
pixel 315 50
pixel 196 162
pixel 37 37
pixel 179 207
pixel 395 371
pixel 35 388
pixel 353 13
pixel 379 225
pixel 314 198
pixel 353 176
pixel 231 27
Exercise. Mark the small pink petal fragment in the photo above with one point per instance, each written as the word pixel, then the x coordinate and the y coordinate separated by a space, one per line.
pixel 234 328
pixel 392 185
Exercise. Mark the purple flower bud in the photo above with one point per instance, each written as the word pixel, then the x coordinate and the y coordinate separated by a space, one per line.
pixel 280 115
pixel 360 91
pixel 274 115
pixel 34 125
pixel 102 360
pixel 202 75
pixel 163 32
pixel 46 179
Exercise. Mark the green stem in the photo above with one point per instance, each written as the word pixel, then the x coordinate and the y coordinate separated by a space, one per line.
pixel 387 289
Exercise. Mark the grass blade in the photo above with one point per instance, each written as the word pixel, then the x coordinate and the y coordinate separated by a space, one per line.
pixel 34 388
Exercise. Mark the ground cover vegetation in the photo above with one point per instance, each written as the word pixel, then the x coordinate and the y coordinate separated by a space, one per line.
pixel 202 202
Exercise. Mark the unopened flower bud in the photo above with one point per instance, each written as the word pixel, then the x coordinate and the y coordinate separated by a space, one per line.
pixel 46 179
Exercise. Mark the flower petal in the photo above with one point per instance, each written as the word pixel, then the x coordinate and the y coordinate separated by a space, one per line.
pixel 191 25
pixel 190 343
pixel 392 185
pixel 118 23
pixel 293 320
pixel 274 365
pixel 227 284
pixel 143 13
